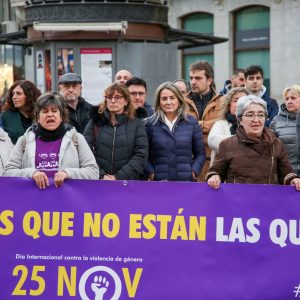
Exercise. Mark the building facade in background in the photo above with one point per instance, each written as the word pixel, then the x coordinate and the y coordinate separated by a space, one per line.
pixel 156 40
pixel 263 32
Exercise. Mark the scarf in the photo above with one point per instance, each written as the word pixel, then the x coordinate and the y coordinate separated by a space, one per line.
pixel 50 135
pixel 262 144
pixel 234 124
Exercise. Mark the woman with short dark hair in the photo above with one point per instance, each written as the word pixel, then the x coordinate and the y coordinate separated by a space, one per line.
pixel 51 147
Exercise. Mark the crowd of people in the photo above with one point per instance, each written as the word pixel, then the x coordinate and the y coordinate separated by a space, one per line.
pixel 191 133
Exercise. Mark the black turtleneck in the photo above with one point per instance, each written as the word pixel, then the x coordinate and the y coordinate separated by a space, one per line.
pixel 201 101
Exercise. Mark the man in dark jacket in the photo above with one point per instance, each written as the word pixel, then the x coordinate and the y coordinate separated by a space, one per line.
pixel 237 80
pixel 79 110
pixel 137 89
pixel 254 76
pixel 204 103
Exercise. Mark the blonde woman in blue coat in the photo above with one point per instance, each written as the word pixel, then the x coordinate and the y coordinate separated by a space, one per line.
pixel 176 147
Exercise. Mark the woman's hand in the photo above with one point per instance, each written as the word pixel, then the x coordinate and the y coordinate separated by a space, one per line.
pixel 194 176
pixel 59 178
pixel 296 183
pixel 214 181
pixel 151 177
pixel 109 177
pixel 41 179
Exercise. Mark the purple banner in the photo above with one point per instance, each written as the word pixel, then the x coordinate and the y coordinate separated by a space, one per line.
pixel 148 241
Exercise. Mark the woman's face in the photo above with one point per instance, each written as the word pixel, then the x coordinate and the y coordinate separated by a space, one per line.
pixel 292 101
pixel 169 103
pixel 234 100
pixel 18 97
pixel 253 120
pixel 50 117
pixel 116 103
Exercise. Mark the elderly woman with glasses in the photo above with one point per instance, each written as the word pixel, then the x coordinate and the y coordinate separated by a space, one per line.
pixel 254 155
pixel 118 138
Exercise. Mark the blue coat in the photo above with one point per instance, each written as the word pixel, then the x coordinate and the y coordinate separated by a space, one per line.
pixel 174 155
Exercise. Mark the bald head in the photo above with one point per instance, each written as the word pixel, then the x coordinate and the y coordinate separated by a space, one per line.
pixel 122 76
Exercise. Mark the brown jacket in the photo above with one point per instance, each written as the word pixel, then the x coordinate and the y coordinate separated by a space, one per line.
pixel 211 114
pixel 244 159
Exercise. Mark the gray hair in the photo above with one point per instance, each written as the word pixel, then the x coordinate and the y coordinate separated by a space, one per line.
pixel 51 98
pixel 245 101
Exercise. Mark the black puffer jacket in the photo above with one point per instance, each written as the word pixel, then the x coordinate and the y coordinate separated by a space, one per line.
pixel 120 150
pixel 80 117
pixel 284 126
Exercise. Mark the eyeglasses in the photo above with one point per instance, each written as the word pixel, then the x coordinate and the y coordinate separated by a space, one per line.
pixel 116 98
pixel 251 116
pixel 135 94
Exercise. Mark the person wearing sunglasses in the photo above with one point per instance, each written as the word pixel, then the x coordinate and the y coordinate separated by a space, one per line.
pixel 254 155
pixel 117 137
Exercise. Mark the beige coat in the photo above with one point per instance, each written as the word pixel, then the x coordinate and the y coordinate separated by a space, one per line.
pixel 77 161
pixel 6 147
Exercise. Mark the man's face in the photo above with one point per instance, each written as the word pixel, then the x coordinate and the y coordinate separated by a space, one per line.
pixel 138 95
pixel 238 80
pixel 122 76
pixel 199 82
pixel 182 87
pixel 71 92
pixel 254 83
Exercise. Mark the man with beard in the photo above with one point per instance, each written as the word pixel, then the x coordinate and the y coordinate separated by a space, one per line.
pixel 79 110
pixel 204 103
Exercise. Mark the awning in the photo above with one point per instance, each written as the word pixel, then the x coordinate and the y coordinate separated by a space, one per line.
pixel 185 39
pixel 190 39
pixel 13 38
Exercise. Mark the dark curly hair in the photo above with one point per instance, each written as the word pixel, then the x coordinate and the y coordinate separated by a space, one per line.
pixel 31 93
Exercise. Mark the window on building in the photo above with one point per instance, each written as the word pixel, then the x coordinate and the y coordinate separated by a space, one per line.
pixel 65 61
pixel 11 56
pixel 252 39
pixel 11 67
pixel 202 23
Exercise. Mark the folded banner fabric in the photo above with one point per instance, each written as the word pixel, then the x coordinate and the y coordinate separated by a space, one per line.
pixel 148 241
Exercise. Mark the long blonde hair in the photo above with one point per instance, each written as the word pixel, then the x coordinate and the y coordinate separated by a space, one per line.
pixel 158 112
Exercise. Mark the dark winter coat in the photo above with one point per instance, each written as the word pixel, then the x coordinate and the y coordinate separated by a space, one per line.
pixel 80 117
pixel 284 126
pixel 144 112
pixel 272 105
pixel 120 150
pixel 244 159
pixel 226 88
pixel 13 125
pixel 174 155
